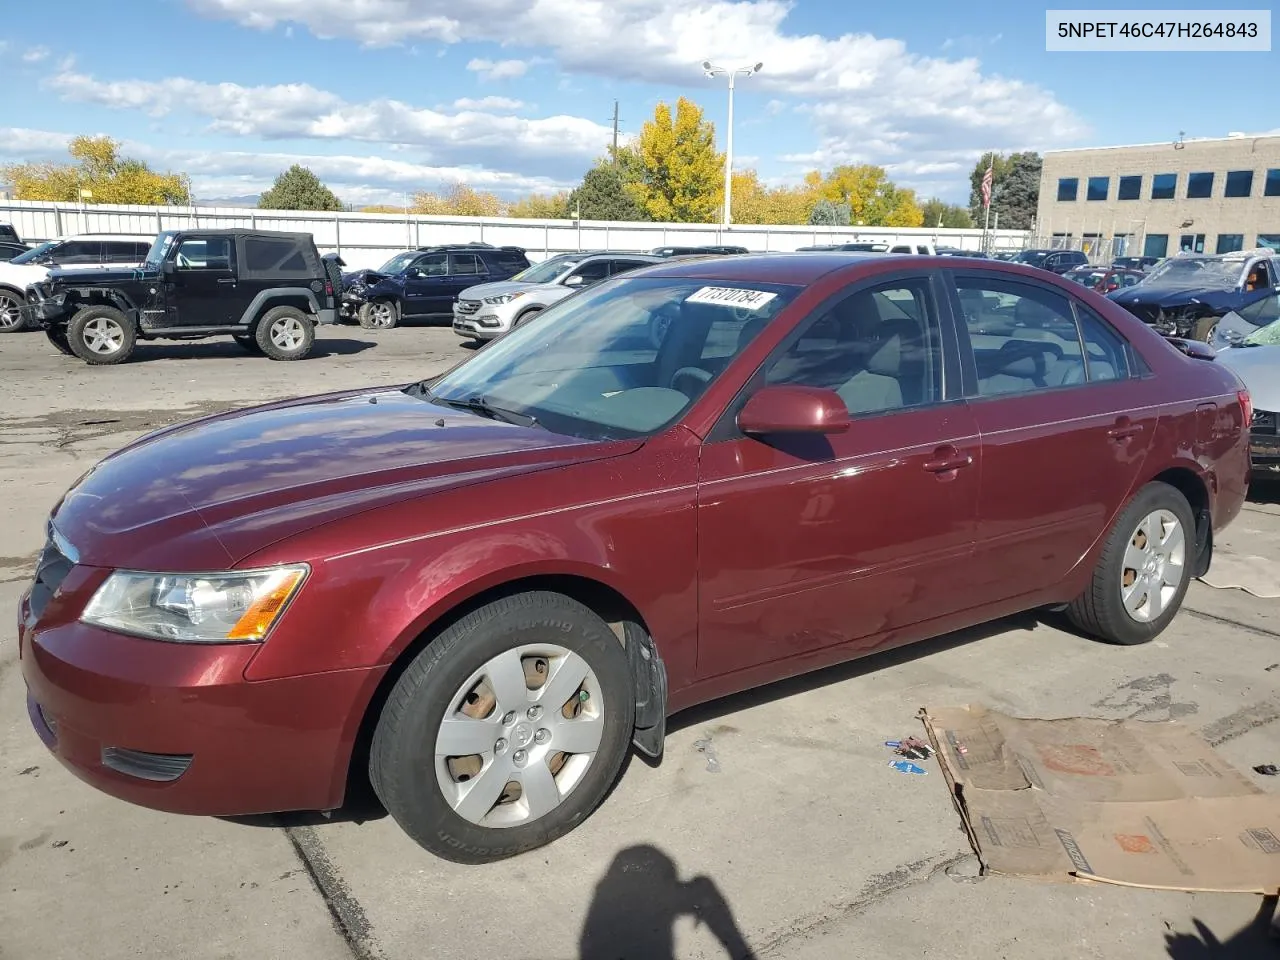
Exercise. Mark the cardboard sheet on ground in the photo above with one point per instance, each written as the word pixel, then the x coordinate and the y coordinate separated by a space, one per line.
pixel 1128 802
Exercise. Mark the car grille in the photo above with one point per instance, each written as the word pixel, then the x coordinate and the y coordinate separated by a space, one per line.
pixel 1264 423
pixel 51 569
pixel 468 306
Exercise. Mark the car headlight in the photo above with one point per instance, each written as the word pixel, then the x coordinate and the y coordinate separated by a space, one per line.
pixel 503 298
pixel 230 607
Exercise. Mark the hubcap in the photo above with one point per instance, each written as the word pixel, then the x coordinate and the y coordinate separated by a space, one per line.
pixel 383 314
pixel 287 333
pixel 1153 566
pixel 10 312
pixel 103 335
pixel 519 735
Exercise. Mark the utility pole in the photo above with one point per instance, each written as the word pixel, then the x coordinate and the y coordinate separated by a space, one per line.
pixel 615 133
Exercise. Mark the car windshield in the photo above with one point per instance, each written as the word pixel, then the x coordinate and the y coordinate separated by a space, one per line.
pixel 1196 272
pixel 1267 314
pixel 34 253
pixel 622 359
pixel 1033 257
pixel 547 270
pixel 398 263
pixel 159 248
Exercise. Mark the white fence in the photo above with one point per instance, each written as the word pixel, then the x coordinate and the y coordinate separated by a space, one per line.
pixel 368 239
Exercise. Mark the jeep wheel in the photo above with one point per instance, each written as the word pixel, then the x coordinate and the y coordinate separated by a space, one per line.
pixel 12 319
pixel 285 333
pixel 101 335
pixel 248 342
pixel 379 315
pixel 58 338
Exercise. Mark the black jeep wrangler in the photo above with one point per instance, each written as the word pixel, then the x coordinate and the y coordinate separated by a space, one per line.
pixel 267 290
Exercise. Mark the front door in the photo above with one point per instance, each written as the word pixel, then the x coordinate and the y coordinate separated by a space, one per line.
pixel 426 286
pixel 202 290
pixel 1064 431
pixel 810 542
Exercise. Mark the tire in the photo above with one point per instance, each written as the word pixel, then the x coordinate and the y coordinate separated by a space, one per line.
pixel 101 335
pixel 410 774
pixel 379 315
pixel 527 315
pixel 1204 329
pixel 58 338
pixel 248 342
pixel 1101 610
pixel 12 317
pixel 285 333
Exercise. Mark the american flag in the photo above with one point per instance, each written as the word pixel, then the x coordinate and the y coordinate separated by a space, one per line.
pixel 986 183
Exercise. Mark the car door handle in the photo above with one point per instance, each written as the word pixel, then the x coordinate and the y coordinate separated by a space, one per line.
pixel 1124 429
pixel 947 459
pixel 231 280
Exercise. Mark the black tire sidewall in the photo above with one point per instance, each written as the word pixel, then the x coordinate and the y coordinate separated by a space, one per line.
pixel 526 316
pixel 1122 628
pixel 402 760
pixel 75 335
pixel 262 333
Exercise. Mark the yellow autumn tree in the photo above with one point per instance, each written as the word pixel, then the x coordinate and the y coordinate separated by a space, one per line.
pixel 681 176
pixel 458 200
pixel 99 169
pixel 753 202
pixel 873 199
pixel 539 206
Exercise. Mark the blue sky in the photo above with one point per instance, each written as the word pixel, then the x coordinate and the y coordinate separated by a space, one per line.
pixel 385 97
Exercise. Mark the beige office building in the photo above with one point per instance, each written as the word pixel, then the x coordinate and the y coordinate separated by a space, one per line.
pixel 1207 196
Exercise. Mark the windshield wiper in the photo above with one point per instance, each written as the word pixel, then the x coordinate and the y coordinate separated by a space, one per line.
pixel 480 405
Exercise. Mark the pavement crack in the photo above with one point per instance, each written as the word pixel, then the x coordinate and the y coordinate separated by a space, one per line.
pixel 877 888
pixel 1228 622
pixel 348 916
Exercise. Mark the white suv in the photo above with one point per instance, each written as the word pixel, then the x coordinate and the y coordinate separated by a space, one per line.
pixel 88 251
pixel 489 310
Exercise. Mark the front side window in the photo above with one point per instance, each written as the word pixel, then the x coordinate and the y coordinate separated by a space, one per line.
pixel 436 265
pixel 1164 186
pixel 204 253
pixel 588 274
pixel 1130 188
pixel 1099 187
pixel 879 349
pixel 1239 183
pixel 1068 187
pixel 1199 186
pixel 548 271
pixel 625 358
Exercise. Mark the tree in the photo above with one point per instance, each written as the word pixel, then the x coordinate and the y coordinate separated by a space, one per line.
pixel 603 195
pixel 458 200
pixel 682 176
pixel 872 198
pixel 383 208
pixel 539 207
pixel 828 214
pixel 1019 193
pixel 298 189
pixel 100 169
pixel 938 213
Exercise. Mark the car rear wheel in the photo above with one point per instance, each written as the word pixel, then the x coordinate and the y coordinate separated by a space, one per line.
pixel 379 315
pixel 101 335
pixel 1144 570
pixel 285 333
pixel 507 731
pixel 12 318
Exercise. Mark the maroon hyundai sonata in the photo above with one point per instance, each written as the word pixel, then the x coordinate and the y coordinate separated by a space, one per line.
pixel 481 590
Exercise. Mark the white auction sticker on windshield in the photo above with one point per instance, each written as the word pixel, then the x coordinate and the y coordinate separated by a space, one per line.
pixel 731 297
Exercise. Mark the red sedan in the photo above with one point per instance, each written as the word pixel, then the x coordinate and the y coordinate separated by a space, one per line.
pixel 699 477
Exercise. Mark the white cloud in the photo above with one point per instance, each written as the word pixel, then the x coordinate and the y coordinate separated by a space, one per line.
pixel 560 144
pixel 35 55
pixel 499 69
pixel 488 103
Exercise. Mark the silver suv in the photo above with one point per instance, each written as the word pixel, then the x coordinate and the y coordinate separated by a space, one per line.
pixel 491 309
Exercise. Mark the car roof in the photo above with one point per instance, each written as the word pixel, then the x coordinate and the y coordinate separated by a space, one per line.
pixel 647 257
pixel 136 237
pixel 801 268
pixel 244 232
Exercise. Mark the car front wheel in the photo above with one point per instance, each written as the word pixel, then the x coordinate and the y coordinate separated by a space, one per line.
pixel 101 335
pixel 1144 570
pixel 12 318
pixel 506 731
pixel 379 315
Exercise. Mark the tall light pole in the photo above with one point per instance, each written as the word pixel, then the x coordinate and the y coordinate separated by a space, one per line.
pixel 712 70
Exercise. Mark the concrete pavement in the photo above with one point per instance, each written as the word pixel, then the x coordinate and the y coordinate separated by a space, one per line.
pixel 774 817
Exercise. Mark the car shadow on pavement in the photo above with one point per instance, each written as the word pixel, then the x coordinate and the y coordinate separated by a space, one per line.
pixel 637 903
pixel 782 689
pixel 227 349
pixel 1254 942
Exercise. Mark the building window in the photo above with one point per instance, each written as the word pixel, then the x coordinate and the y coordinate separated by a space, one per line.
pixel 1199 186
pixel 1191 243
pixel 1099 187
pixel 1130 188
pixel 1068 187
pixel 1156 245
pixel 1272 188
pixel 1270 240
pixel 1230 242
pixel 1239 183
pixel 1163 186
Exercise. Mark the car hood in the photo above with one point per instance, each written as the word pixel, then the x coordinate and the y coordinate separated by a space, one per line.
pixel 21 275
pixel 207 494
pixel 366 278
pixel 1165 296
pixel 501 287
pixel 104 276
pixel 1259 368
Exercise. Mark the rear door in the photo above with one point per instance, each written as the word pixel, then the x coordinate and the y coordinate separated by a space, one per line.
pixel 202 291
pixel 465 270
pixel 1065 430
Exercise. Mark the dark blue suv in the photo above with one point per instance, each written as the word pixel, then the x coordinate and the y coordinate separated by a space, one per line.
pixel 424 282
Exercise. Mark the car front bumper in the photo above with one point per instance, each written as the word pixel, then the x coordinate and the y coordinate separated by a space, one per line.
pixel 484 322
pixel 1264 448
pixel 177 727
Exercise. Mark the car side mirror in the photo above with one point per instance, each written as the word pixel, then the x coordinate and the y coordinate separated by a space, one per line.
pixel 787 409
pixel 169 268
pixel 576 280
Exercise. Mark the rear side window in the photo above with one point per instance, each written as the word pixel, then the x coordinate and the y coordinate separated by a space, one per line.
pixel 78 251
pixel 1106 356
pixel 514 262
pixel 464 264
pixel 273 255
pixel 124 251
